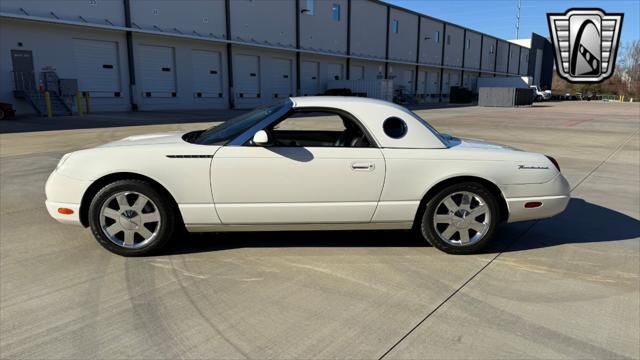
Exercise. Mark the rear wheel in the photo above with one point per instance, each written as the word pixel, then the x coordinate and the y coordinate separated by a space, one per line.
pixel 2 114
pixel 131 218
pixel 460 219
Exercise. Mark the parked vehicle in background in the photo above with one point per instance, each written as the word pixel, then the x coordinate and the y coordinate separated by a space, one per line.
pixel 306 163
pixel 6 111
pixel 541 95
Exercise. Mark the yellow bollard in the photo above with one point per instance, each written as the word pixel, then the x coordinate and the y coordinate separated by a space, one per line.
pixel 86 102
pixel 47 102
pixel 79 102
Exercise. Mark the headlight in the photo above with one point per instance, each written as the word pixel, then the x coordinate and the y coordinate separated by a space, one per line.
pixel 62 160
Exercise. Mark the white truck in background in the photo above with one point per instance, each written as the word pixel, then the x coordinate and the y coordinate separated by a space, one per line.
pixel 541 95
pixel 518 82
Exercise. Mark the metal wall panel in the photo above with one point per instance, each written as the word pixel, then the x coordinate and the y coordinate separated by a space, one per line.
pixel 248 21
pixel 472 51
pixel 403 44
pixel 431 41
pixel 503 57
pixel 368 29
pixel 186 16
pixel 96 12
pixel 524 61
pixel 453 46
pixel 514 58
pixel 318 29
pixel 488 53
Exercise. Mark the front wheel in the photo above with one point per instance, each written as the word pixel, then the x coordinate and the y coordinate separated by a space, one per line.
pixel 460 219
pixel 131 218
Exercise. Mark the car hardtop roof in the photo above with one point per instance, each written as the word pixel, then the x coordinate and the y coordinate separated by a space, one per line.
pixel 340 102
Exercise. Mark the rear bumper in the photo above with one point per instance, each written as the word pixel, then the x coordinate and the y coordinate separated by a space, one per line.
pixel 553 195
pixel 551 205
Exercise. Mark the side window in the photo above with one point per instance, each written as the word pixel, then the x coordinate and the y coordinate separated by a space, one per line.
pixel 317 129
pixel 394 127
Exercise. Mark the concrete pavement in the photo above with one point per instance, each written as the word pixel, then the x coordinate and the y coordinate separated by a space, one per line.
pixel 566 287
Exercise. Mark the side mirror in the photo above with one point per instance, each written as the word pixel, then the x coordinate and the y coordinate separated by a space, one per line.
pixel 261 138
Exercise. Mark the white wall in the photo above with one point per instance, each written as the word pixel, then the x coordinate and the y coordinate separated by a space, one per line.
pixel 56 50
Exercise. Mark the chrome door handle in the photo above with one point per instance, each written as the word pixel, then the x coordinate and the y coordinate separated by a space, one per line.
pixel 363 166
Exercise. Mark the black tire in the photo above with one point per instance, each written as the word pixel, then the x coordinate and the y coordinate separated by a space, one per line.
pixel 165 208
pixel 538 98
pixel 428 230
pixel 3 115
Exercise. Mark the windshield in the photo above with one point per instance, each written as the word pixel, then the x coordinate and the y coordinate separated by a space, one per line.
pixel 230 129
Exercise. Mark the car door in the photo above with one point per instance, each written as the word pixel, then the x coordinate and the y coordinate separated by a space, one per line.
pixel 304 177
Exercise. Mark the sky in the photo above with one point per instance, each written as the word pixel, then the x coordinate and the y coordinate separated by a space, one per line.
pixel 497 17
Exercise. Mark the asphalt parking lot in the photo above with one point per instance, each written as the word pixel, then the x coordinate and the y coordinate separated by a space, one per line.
pixel 566 287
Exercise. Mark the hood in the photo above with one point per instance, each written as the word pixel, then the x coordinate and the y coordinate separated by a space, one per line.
pixel 474 143
pixel 170 137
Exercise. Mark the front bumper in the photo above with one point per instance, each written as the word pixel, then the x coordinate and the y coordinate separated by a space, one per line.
pixel 65 192
pixel 52 208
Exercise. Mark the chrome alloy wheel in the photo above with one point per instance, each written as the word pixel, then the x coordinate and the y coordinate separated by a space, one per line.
pixel 462 218
pixel 130 219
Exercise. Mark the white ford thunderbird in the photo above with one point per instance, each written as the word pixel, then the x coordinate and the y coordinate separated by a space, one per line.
pixel 310 163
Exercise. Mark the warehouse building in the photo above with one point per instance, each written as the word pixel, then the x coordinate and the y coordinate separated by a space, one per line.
pixel 190 54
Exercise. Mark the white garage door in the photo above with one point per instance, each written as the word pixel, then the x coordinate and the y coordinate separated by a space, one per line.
pixel 247 76
pixel 280 78
pixel 97 67
pixel 446 84
pixel 356 72
pixel 334 72
pixel 433 84
pixel 406 81
pixel 309 71
pixel 157 71
pixel 454 79
pixel 207 74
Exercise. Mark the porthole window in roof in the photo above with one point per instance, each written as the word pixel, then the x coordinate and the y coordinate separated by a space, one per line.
pixel 394 127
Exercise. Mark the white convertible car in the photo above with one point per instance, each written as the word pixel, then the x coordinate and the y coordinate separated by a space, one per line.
pixel 310 163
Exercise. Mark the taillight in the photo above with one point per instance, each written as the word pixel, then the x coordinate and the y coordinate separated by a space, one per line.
pixel 554 161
